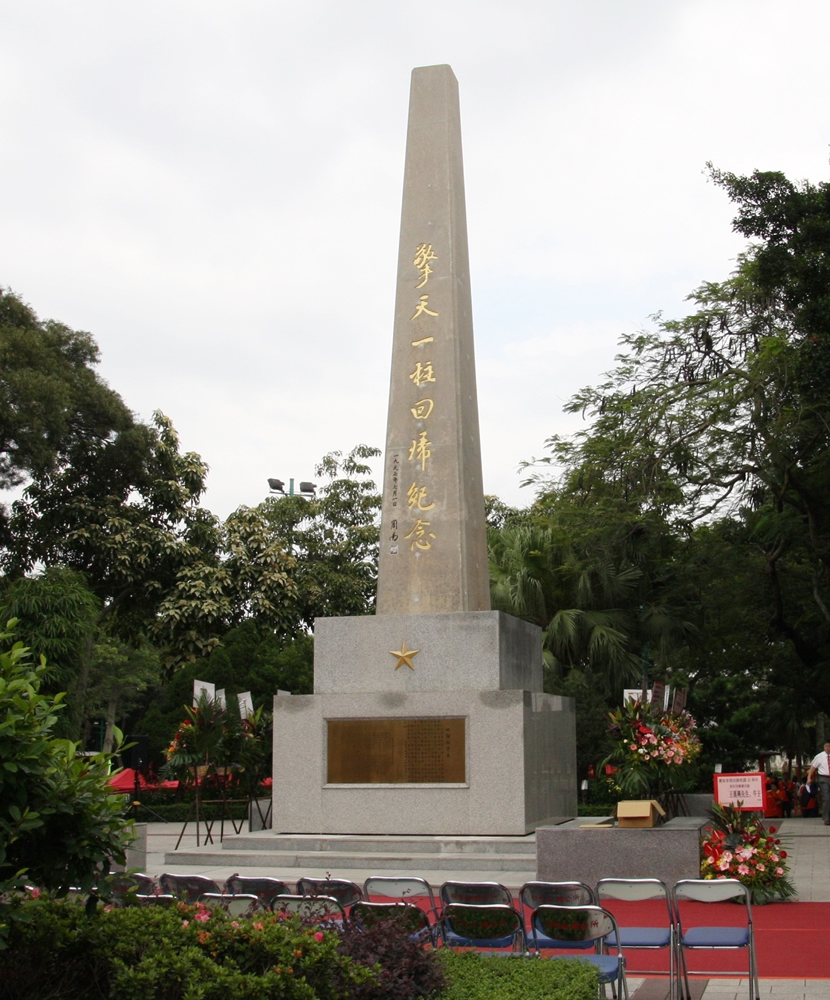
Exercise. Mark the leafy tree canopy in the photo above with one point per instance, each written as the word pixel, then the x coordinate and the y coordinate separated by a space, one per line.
pixel 712 434
pixel 53 404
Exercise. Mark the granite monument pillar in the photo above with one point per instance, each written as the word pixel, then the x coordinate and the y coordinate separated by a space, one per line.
pixel 433 554
pixel 428 717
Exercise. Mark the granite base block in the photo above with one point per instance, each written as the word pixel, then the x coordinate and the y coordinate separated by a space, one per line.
pixel 480 650
pixel 520 766
pixel 574 852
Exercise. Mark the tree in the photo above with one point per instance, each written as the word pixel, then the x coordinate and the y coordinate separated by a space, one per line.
pixel 597 584
pixel 162 566
pixel 724 415
pixel 119 677
pixel 333 539
pixel 57 618
pixel 53 405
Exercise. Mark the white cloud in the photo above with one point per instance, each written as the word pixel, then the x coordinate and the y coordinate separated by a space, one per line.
pixel 213 190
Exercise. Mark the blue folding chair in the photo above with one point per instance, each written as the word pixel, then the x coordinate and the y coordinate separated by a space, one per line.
pixel 535 894
pixel 730 937
pixel 326 911
pixel 485 926
pixel 187 888
pixel 264 888
pixel 366 914
pixel 475 893
pixel 402 889
pixel 654 937
pixel 574 926
pixel 235 904
pixel 341 889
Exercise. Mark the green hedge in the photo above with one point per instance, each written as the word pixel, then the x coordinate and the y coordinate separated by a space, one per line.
pixel 59 951
pixel 178 812
pixel 479 977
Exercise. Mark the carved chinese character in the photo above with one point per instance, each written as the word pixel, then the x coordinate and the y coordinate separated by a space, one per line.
pixel 423 255
pixel 422 307
pixel 417 495
pixel 422 409
pixel 423 373
pixel 419 450
pixel 420 536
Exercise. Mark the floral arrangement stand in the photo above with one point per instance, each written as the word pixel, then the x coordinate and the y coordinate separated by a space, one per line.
pixel 737 845
pixel 653 754
pixel 219 777
pixel 217 749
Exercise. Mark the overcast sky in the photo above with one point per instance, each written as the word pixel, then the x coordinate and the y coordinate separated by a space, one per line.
pixel 213 191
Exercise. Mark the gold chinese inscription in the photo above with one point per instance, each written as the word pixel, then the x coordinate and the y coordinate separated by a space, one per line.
pixel 422 307
pixel 419 450
pixel 420 537
pixel 423 255
pixel 416 496
pixel 422 409
pixel 422 373
pixel 396 751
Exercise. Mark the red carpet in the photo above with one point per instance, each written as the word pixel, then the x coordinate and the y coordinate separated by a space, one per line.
pixel 789 938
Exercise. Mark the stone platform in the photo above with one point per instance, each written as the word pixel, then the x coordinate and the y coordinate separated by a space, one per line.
pixel 581 851
pixel 265 850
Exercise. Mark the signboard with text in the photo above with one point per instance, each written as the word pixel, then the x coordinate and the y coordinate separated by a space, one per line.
pixel 748 789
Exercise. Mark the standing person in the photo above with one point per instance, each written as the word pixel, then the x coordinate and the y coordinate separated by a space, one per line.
pixel 785 798
pixel 821 765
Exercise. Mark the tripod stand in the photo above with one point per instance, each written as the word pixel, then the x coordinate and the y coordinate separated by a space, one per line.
pixel 137 804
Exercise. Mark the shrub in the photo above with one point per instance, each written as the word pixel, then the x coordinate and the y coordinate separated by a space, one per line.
pixel 59 951
pixel 58 822
pixel 479 977
pixel 405 968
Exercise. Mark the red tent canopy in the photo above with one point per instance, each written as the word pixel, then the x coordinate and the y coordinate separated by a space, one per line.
pixel 124 781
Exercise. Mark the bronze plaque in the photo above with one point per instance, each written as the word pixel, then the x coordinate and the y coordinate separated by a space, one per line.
pixel 396 751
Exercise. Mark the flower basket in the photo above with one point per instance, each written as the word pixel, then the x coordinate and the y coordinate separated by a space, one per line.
pixel 738 846
pixel 653 752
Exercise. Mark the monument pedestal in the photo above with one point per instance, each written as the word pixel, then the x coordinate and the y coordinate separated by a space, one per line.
pixel 508 748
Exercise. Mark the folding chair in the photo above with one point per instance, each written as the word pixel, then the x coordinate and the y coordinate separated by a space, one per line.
pixel 325 910
pixel 475 894
pixel 486 925
pixel 187 888
pixel 571 927
pixel 121 883
pixel 235 904
pixel 157 899
pixel 263 888
pixel 406 888
pixel 341 889
pixel 366 914
pixel 718 890
pixel 657 936
pixel 535 894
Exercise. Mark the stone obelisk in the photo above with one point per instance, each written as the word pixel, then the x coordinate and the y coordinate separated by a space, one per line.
pixel 428 717
pixel 433 553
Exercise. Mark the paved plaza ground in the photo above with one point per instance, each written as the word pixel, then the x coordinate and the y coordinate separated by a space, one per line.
pixel 807 842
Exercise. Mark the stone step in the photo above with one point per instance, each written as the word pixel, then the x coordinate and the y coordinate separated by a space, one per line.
pixel 208 857
pixel 349 844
